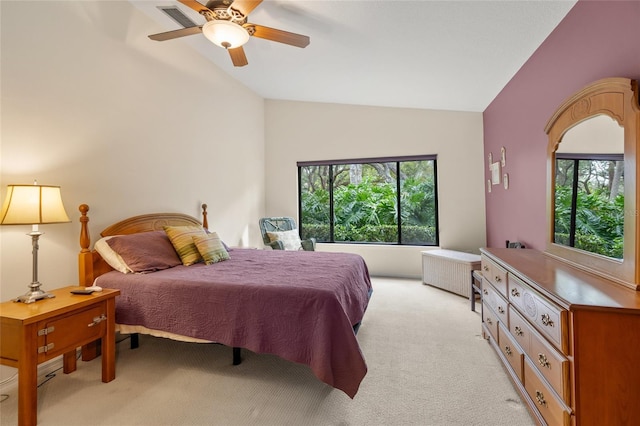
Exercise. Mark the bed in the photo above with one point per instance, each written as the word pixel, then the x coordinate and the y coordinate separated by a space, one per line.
pixel 302 306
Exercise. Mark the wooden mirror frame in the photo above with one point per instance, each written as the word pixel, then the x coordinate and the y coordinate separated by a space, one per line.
pixel 616 98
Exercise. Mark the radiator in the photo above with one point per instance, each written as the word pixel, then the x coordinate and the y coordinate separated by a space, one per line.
pixel 449 270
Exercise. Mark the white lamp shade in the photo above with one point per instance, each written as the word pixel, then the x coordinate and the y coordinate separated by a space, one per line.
pixel 225 34
pixel 32 205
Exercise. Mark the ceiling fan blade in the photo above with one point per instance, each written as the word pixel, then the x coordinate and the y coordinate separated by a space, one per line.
pixel 245 6
pixel 281 36
pixel 238 57
pixel 176 33
pixel 193 4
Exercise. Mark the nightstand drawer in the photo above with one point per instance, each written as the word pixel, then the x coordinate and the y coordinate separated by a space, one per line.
pixel 67 332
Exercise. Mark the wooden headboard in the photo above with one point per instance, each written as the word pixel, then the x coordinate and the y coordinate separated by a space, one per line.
pixel 90 263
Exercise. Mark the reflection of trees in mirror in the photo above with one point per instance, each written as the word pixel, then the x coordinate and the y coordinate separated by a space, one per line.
pixel 366 203
pixel 589 204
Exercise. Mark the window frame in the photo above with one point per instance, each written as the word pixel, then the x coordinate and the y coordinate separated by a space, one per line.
pixel 398 160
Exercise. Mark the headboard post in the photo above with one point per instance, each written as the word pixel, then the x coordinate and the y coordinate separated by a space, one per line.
pixel 205 222
pixel 85 258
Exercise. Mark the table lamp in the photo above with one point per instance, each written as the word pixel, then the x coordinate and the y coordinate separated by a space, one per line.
pixel 33 205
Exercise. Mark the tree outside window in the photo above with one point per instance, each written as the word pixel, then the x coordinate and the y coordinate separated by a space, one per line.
pixel 385 201
pixel 589 203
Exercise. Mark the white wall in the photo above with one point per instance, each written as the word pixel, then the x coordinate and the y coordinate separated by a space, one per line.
pixel 300 131
pixel 121 123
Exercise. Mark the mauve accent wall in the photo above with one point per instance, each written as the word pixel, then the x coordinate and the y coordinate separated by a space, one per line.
pixel 597 39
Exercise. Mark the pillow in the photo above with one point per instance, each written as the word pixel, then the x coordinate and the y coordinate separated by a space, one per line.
pixel 226 247
pixel 290 239
pixel 182 239
pixel 111 257
pixel 211 248
pixel 145 251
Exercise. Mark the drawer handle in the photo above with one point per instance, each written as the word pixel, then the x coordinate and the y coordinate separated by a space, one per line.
pixel 546 320
pixel 97 320
pixel 500 310
pixel 515 292
pixel 485 268
pixel 542 360
pixel 498 279
pixel 518 331
pixel 486 293
pixel 540 398
pixel 507 350
pixel 489 321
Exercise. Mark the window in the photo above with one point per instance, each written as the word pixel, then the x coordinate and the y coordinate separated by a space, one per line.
pixel 589 203
pixel 382 200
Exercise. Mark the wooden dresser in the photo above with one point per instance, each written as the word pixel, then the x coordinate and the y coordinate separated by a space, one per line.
pixel 569 340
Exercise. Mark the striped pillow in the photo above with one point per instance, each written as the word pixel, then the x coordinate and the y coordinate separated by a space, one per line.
pixel 182 239
pixel 211 248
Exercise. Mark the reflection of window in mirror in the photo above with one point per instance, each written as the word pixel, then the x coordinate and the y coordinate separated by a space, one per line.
pixel 589 192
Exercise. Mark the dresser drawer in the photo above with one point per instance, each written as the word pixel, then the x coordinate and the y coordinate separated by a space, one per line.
pixel 490 320
pixel 496 302
pixel 495 274
pixel 548 318
pixel 520 329
pixel 552 409
pixel 516 289
pixel 511 350
pixel 552 364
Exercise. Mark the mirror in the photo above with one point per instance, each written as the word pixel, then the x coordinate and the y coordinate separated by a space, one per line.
pixel 589 187
pixel 591 180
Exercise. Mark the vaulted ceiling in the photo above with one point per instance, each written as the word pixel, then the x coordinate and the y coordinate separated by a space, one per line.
pixel 451 55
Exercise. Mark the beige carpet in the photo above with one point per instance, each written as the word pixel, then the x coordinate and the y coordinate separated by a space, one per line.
pixel 428 365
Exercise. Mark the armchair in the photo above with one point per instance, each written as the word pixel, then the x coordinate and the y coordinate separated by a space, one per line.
pixel 281 233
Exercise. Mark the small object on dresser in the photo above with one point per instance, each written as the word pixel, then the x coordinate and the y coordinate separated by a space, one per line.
pixel 85 290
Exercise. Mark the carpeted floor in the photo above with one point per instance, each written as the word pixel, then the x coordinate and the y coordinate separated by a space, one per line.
pixel 428 365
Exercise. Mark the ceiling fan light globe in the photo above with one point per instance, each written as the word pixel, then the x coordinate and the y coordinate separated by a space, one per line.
pixel 226 34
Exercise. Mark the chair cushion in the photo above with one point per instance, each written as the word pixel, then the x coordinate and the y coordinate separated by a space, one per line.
pixel 290 239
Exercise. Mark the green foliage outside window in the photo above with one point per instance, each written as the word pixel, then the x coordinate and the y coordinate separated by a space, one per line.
pixel 365 202
pixel 599 211
pixel 599 222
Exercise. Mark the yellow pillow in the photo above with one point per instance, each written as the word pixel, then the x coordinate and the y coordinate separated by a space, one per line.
pixel 211 248
pixel 182 239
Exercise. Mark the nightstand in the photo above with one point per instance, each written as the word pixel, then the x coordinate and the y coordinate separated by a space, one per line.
pixel 36 332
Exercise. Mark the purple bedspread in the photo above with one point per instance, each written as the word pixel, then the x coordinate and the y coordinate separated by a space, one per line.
pixel 299 305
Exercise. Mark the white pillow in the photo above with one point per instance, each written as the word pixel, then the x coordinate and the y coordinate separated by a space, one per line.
pixel 110 256
pixel 290 239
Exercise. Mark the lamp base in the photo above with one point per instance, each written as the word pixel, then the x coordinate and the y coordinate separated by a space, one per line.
pixel 34 295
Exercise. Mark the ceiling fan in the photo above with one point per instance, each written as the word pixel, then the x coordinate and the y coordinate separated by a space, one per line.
pixel 227 27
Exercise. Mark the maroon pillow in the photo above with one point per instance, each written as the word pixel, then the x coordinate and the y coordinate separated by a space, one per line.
pixel 145 251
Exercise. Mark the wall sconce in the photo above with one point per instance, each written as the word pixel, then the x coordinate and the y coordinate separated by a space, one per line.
pixel 33 205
